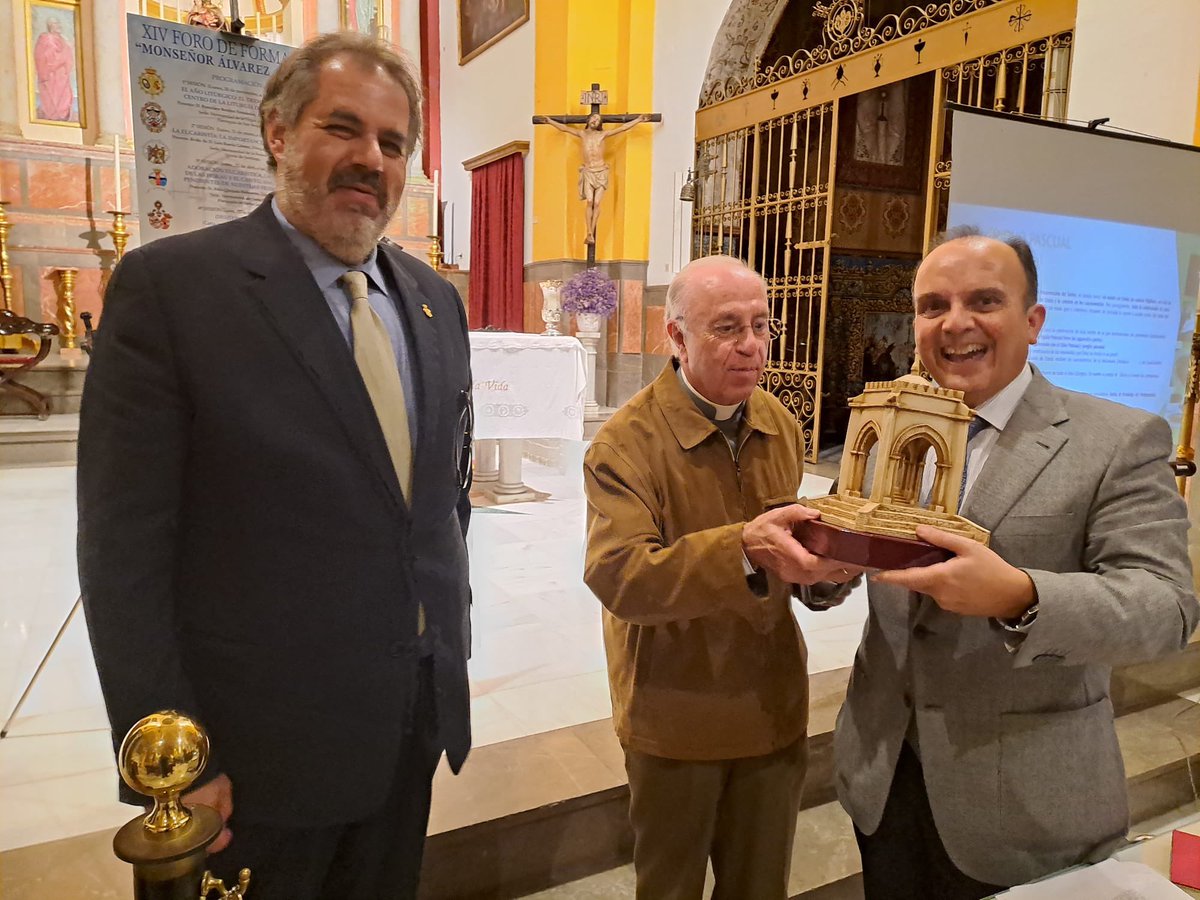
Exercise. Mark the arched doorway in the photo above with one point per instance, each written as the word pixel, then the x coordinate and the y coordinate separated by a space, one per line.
pixel 860 453
pixel 907 470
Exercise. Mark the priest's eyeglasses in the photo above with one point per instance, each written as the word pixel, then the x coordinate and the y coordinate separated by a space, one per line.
pixel 765 330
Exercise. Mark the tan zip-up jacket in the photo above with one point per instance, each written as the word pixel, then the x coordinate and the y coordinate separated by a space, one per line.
pixel 700 665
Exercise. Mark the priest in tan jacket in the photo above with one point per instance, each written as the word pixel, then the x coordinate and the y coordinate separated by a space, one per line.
pixel 691 490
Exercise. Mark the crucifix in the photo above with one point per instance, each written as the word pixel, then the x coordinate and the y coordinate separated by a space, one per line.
pixel 593 174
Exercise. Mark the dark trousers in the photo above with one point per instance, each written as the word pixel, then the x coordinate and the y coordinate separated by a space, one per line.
pixel 905 858
pixel 378 858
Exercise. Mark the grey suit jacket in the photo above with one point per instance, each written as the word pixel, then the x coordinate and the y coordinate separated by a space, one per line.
pixel 1020 755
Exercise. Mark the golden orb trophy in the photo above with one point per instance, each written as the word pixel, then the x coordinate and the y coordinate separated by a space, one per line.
pixel 161 756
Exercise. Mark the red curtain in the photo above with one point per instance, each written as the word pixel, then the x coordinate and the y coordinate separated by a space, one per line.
pixel 498 244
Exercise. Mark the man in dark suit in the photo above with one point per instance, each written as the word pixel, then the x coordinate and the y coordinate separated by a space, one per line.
pixel 273 494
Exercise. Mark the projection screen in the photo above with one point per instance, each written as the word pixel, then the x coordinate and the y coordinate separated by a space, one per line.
pixel 1114 223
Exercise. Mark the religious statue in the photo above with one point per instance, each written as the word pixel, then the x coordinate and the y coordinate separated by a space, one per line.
pixel 206 14
pixel 54 61
pixel 593 174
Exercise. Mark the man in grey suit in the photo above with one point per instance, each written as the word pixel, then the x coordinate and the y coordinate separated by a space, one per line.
pixel 976 747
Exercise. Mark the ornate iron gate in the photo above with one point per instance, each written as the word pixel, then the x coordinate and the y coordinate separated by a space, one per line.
pixel 766 146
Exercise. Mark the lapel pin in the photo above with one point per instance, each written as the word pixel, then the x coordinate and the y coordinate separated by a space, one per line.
pixel 425 309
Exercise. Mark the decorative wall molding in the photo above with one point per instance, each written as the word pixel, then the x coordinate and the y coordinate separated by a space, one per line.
pixel 845 34
pixel 500 152
pixel 740 42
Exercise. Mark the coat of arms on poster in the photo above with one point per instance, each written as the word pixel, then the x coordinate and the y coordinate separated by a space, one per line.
pixel 54 63
pixel 195 91
pixel 483 22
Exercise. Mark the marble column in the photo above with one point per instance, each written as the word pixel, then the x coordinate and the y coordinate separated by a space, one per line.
pixel 590 339
pixel 10 112
pixel 509 486
pixel 108 39
pixel 487 461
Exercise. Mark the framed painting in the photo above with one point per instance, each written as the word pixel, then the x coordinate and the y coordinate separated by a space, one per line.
pixel 54 61
pixel 887 348
pixel 483 22
pixel 883 136
pixel 361 16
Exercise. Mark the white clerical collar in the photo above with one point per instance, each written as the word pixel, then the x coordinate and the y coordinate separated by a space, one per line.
pixel 997 410
pixel 720 413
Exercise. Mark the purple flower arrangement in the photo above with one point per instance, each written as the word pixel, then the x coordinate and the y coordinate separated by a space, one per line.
pixel 589 292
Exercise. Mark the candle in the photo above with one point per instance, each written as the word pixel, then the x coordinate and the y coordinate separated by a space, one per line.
pixel 437 206
pixel 117 168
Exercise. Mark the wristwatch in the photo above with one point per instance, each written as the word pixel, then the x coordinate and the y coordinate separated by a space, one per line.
pixel 1022 623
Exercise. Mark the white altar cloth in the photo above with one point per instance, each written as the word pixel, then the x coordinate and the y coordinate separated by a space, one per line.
pixel 527 385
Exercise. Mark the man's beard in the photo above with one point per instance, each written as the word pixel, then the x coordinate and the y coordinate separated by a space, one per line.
pixel 345 235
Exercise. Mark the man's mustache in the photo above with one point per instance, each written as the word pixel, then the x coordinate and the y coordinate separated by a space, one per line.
pixel 361 178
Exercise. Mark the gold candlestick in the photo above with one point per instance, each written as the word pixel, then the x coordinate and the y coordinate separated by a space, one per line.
pixel 64 285
pixel 120 237
pixel 435 252
pixel 5 272
pixel 120 234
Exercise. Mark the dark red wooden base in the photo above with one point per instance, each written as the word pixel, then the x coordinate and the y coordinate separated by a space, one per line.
pixel 875 551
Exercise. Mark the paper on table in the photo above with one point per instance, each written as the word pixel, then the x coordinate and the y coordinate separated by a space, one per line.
pixel 1109 880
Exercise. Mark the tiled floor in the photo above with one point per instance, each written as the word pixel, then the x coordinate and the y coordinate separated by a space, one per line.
pixel 537 661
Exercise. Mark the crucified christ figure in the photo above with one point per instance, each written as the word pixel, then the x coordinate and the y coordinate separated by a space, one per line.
pixel 593 174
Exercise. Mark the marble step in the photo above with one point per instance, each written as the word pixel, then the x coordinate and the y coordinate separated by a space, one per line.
pixel 497 833
pixel 26 442
pixel 1159 744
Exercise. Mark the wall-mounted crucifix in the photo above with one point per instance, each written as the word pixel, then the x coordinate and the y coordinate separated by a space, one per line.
pixel 593 174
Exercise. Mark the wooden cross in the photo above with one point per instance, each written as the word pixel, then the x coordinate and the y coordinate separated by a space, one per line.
pixel 595 98
pixel 594 172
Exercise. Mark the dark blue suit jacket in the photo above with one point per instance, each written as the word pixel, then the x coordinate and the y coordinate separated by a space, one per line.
pixel 245 552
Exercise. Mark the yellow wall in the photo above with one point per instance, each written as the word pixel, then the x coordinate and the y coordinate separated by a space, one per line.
pixel 611 42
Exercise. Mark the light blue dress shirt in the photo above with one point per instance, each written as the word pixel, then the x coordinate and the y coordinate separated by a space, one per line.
pixel 326 271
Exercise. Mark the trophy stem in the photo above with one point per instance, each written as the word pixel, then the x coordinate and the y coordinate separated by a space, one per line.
pixel 161 756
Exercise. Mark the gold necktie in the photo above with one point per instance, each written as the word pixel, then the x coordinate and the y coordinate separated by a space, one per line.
pixel 376 361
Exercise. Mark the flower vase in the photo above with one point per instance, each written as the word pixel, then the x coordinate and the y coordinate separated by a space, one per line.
pixel 589 322
pixel 551 306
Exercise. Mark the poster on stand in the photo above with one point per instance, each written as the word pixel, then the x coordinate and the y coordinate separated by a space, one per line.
pixel 195 94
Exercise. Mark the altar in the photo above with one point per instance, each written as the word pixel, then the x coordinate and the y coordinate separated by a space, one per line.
pixel 524 386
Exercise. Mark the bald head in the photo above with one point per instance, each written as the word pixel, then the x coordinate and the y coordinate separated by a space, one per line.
pixel 701 282
pixel 1018 245
pixel 719 324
